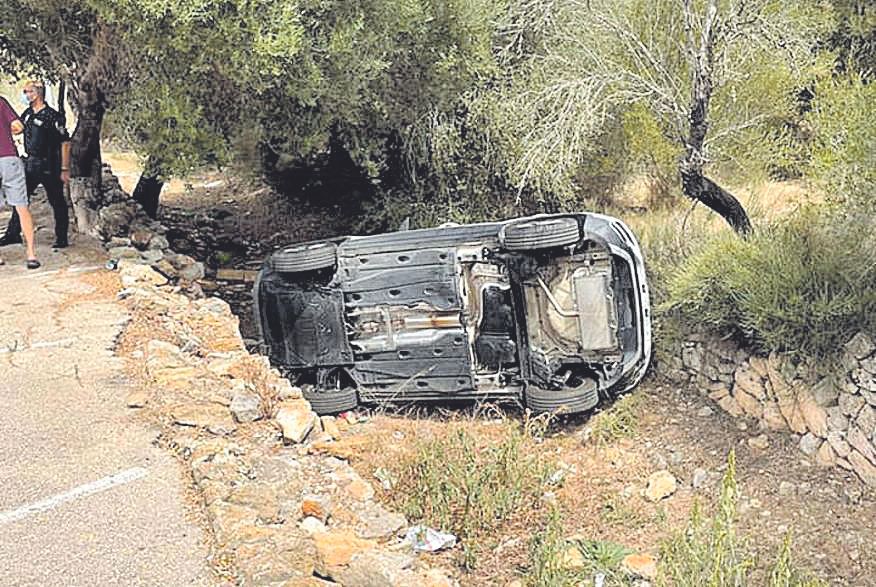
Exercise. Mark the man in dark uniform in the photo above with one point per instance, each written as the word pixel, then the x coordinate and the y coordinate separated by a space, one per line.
pixel 47 146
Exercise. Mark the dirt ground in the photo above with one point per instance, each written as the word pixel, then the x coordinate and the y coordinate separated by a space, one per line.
pixel 829 513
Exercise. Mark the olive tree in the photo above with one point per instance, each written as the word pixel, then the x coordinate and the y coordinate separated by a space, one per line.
pixel 709 71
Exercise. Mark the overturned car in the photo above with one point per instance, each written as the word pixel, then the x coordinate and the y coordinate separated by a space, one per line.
pixel 551 310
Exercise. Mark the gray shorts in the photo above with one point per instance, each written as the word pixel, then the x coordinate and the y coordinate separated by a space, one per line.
pixel 13 186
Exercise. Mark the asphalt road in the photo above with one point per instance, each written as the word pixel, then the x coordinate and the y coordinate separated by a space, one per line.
pixel 85 498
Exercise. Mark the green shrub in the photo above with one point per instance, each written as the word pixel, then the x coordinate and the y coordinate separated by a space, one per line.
pixel 621 420
pixel 708 552
pixel 550 568
pixel 470 486
pixel 804 285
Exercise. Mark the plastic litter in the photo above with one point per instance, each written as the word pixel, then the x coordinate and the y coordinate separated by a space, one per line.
pixel 599 580
pixel 425 539
pixel 112 265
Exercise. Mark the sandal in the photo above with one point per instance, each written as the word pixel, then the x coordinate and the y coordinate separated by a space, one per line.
pixel 33 264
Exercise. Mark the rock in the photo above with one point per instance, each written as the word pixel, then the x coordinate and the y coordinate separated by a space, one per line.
pixel 158 243
pixel 825 393
pixel 124 253
pixel 718 391
pixel 699 479
pixel 869 365
pixel 134 274
pixel 376 568
pixel 192 272
pixel 314 507
pixel 137 398
pixel 864 379
pixel 860 346
pixel 749 404
pixel 731 406
pixel 140 237
pixel 312 525
pixel 166 268
pixel 330 426
pixel 116 242
pixel 572 560
pixel 850 405
pixel 161 354
pixel 661 484
pixel 787 488
pixel 211 416
pixel 151 256
pixel 866 421
pixel 836 421
pixel 750 382
pixel 839 444
pixel 376 522
pixel 283 390
pixel 825 457
pixel 337 548
pixel 360 490
pixel 869 396
pixel 296 420
pixel 861 443
pixel 772 417
pixel 692 357
pixel 813 414
pixel 759 442
pixel 864 468
pixel 705 412
pixel 809 444
pixel 790 410
pixel 641 565
pixel 759 366
pixel 246 407
pixel 260 498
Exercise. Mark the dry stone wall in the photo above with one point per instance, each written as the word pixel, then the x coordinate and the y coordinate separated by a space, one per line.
pixel 281 501
pixel 833 415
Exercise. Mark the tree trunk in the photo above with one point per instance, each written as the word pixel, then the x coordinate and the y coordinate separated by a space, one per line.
pixel 83 197
pixel 693 181
pixel 85 143
pixel 92 88
pixel 699 187
pixel 148 188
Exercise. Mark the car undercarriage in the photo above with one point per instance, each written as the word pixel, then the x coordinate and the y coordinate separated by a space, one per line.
pixel 552 310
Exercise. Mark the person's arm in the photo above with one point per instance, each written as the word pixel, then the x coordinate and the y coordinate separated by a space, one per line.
pixel 65 161
pixel 7 114
pixel 64 138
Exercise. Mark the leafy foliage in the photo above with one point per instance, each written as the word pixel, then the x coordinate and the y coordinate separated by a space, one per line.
pixel 804 285
pixel 470 487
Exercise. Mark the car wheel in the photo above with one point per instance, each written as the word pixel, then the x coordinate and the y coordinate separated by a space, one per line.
pixel 309 257
pixel 530 235
pixel 331 402
pixel 563 401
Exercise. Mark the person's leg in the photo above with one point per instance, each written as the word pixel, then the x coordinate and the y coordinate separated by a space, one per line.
pixel 15 191
pixel 28 232
pixel 55 192
pixel 13 231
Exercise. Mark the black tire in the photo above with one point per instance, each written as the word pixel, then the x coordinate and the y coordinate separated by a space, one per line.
pixel 563 401
pixel 530 235
pixel 307 257
pixel 331 402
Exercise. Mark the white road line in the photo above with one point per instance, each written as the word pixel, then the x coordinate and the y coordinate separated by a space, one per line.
pixel 94 487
